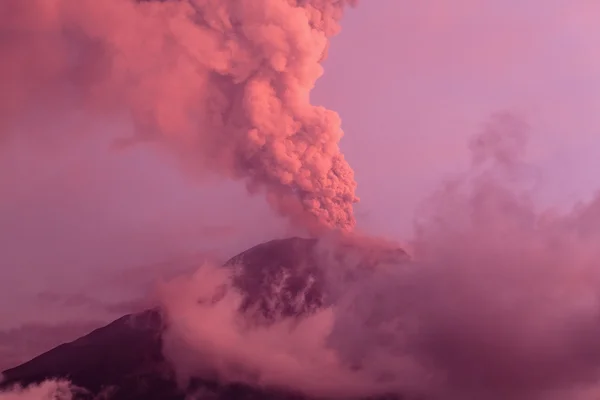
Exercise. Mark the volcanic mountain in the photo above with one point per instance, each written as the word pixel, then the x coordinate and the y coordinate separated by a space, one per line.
pixel 124 360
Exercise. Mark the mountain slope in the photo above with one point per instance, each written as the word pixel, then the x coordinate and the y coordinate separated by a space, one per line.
pixel 125 354
pixel 124 359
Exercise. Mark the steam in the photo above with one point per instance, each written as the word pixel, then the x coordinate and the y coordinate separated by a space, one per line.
pixel 501 301
pixel 208 338
pixel 47 390
pixel 225 85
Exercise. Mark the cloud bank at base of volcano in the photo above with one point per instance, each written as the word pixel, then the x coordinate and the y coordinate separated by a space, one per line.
pixel 499 302
pixel 47 390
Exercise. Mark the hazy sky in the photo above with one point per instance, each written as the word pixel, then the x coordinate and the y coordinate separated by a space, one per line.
pixel 412 80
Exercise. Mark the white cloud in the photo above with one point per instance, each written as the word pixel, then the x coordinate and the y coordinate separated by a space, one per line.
pixel 47 390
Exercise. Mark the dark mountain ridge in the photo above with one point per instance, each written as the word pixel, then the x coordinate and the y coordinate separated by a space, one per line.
pixel 124 359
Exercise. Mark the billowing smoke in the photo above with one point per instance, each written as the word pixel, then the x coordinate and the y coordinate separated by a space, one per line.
pixel 224 84
pixel 500 301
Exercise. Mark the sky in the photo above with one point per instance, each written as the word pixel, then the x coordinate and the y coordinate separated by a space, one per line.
pixel 435 74
pixel 412 81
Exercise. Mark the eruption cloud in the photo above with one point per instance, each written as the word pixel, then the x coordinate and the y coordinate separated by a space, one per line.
pixel 224 84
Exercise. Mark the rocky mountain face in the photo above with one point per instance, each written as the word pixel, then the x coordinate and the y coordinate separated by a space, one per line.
pixel 124 360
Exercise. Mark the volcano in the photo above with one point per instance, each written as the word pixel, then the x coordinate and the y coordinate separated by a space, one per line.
pixel 124 360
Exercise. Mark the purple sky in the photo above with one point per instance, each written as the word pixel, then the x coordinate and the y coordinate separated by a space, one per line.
pixel 411 81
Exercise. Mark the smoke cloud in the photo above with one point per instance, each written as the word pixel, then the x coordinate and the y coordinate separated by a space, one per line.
pixel 225 85
pixel 47 390
pixel 500 301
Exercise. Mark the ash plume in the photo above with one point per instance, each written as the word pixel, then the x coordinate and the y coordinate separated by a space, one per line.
pixel 223 84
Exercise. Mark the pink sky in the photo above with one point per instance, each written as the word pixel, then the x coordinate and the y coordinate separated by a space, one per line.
pixel 435 73
pixel 411 83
